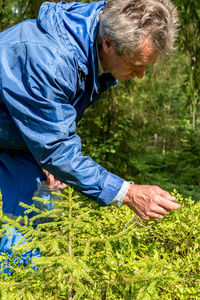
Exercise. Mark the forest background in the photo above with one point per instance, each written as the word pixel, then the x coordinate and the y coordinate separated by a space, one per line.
pixel 147 131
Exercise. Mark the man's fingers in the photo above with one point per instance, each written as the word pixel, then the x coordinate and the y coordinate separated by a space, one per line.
pixel 50 180
pixel 150 202
pixel 168 204
pixel 160 210
pixel 151 216
pixel 155 216
pixel 62 186
pixel 46 173
pixel 167 195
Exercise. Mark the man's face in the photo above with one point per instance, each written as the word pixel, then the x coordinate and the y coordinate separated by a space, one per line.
pixel 124 68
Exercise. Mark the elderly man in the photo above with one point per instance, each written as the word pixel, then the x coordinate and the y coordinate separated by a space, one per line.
pixel 52 69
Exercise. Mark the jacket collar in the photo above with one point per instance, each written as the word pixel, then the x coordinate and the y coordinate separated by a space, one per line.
pixel 97 70
pixel 76 26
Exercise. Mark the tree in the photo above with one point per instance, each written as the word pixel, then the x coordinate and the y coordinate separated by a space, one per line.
pixel 189 12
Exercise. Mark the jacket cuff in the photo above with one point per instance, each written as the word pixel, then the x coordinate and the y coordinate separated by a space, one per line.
pixel 111 187
pixel 118 200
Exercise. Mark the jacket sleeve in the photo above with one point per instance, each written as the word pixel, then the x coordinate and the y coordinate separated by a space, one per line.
pixel 38 86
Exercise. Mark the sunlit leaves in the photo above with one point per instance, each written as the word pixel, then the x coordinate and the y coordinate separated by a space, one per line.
pixel 114 254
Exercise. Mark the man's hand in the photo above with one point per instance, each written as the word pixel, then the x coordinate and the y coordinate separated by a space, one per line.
pixel 52 182
pixel 149 201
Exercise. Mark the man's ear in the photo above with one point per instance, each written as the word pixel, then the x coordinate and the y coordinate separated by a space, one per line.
pixel 107 45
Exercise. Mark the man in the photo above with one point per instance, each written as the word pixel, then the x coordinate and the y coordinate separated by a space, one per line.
pixel 52 69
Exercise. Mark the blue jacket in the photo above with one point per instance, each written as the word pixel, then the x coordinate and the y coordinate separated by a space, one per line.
pixel 49 76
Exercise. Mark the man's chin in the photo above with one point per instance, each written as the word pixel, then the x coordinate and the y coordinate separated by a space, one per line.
pixel 121 78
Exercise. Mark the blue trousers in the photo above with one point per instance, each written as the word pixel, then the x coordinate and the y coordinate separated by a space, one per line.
pixel 19 176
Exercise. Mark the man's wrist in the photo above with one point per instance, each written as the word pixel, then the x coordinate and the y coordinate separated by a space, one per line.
pixel 119 198
pixel 128 196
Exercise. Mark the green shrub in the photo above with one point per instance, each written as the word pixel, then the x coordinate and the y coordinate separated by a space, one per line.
pixel 91 252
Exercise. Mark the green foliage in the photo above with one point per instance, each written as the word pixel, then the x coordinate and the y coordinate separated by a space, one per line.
pixel 108 253
pixel 189 40
pixel 143 131
pixel 15 11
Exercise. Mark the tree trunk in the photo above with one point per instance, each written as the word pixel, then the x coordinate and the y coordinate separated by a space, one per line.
pixel 155 141
pixel 194 117
pixel 164 146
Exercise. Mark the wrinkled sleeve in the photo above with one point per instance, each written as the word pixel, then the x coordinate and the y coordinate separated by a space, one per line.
pixel 38 86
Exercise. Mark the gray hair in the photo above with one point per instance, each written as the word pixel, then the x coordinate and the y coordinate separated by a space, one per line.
pixel 128 22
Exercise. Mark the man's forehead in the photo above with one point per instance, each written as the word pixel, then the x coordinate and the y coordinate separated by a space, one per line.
pixel 146 55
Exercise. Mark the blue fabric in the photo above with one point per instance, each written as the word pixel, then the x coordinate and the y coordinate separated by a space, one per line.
pixel 9 260
pixel 49 76
pixel 19 175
